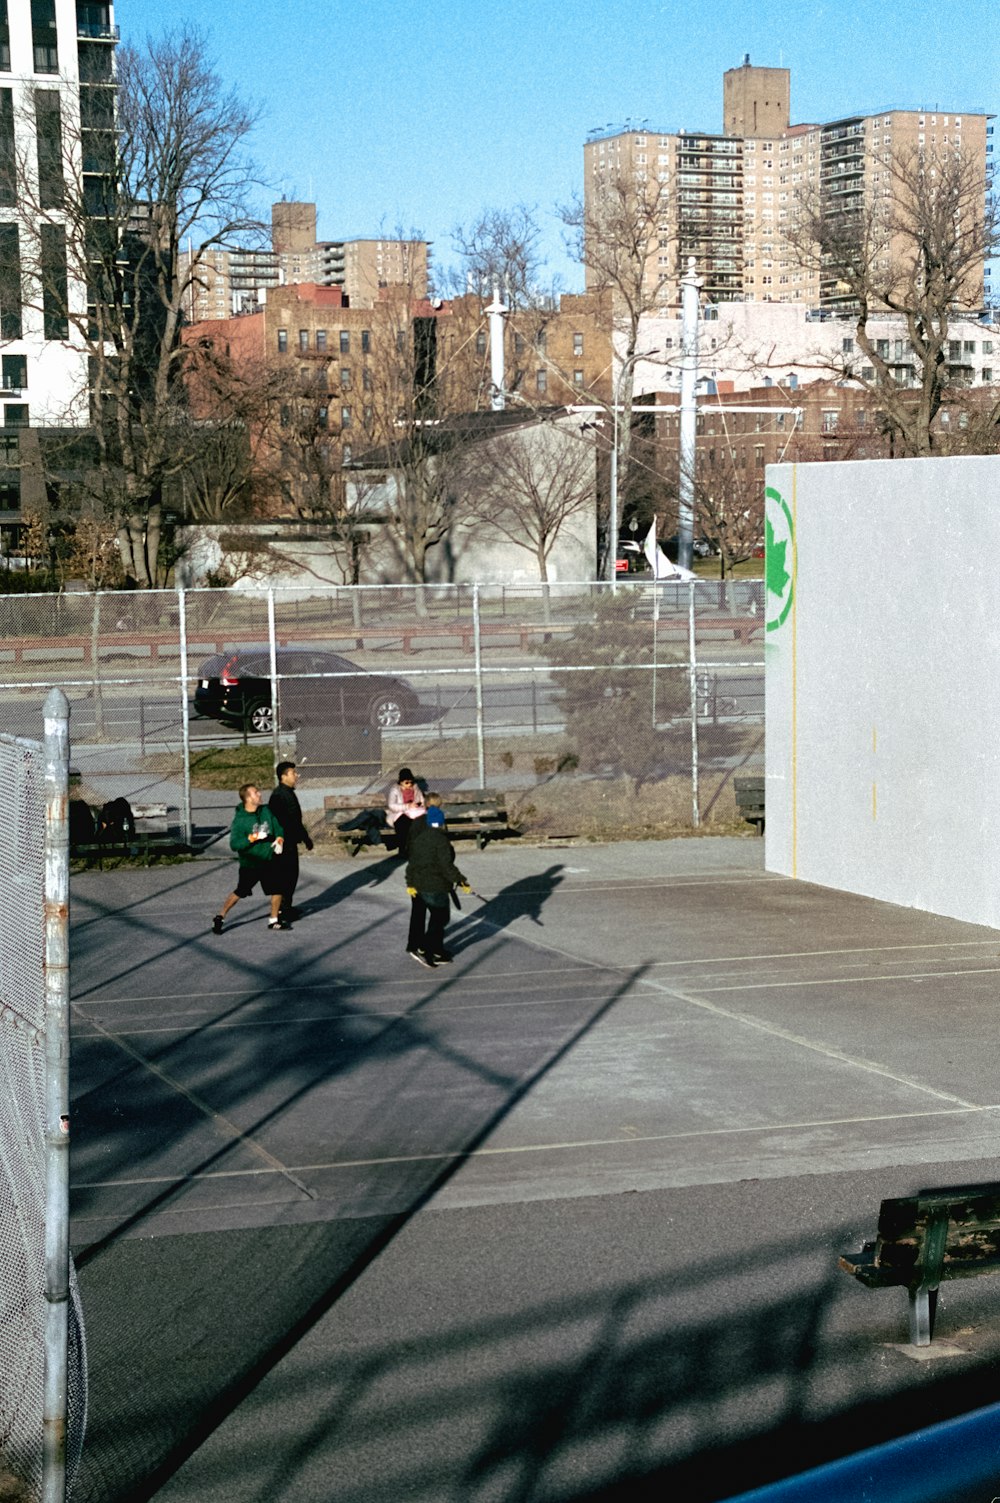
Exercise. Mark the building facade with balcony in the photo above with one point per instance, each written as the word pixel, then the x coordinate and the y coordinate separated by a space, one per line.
pixel 731 200
pixel 56 120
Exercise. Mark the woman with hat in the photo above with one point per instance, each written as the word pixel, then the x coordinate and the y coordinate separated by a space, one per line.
pixel 404 803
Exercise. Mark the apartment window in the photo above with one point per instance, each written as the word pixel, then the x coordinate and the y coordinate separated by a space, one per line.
pixel 345 417
pixel 15 415
pixel 541 381
pixel 847 346
pixel 518 344
pixel 282 341
pixel 4 38
pixel 954 349
pixel 303 340
pixel 577 344
pixel 366 378
pixel 987 347
pixel 55 282
pixel 346 455
pixel 830 419
pixel 481 343
pixel 988 374
pixel 969 347
pixel 8 172
pixel 345 341
pixel 758 456
pixel 345 377
pixel 899 349
pixel 882 348
pixel 366 341
pixel 15 372
pixel 860 418
pixel 44 38
pixel 578 378
pixel 48 136
pixel 321 341
pixel 368 416
pixel 400 342
pixel 322 417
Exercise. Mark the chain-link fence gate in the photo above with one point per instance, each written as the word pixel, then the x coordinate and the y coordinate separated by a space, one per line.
pixel 42 1363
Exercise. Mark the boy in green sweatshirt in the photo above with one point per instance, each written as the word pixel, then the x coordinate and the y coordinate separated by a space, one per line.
pixel 257 838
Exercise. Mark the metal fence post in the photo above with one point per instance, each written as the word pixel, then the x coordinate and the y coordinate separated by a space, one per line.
pixel 56 948
pixel 477 640
pixel 95 666
pixel 186 819
pixel 693 684
pixel 272 644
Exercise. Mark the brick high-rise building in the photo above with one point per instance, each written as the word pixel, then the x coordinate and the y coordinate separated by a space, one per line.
pixel 237 280
pixel 730 199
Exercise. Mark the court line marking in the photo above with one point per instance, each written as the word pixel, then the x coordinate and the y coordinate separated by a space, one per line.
pixel 587 966
pixel 772 985
pixel 569 1146
pixel 827 1051
pixel 226 1126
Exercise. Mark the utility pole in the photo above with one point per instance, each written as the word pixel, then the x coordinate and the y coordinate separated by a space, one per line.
pixel 496 311
pixel 690 286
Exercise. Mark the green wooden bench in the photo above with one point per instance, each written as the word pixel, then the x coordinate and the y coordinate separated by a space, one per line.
pixel 468 811
pixel 923 1240
pixel 154 835
pixel 750 800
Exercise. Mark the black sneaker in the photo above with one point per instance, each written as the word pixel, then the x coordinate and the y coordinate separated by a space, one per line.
pixel 444 957
pixel 422 959
pixel 217 924
pixel 278 923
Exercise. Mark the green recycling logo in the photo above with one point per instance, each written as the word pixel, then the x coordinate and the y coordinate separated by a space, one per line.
pixel 779 559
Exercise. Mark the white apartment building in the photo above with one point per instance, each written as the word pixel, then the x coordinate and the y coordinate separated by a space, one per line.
pixel 746 345
pixel 56 106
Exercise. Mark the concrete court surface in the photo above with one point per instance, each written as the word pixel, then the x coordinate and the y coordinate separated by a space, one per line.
pixel 558 1221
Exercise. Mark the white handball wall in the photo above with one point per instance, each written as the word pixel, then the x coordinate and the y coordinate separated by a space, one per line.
pixel 883 682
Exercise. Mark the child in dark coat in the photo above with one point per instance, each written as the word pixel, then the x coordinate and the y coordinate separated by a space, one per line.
pixel 431 874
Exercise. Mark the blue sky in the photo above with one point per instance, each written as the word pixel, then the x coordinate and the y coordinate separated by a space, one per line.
pixel 414 116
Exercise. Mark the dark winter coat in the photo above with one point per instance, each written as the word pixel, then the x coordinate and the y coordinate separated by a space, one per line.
pixel 431 866
pixel 284 804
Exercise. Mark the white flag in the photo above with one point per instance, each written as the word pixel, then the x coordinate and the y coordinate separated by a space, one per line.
pixel 659 562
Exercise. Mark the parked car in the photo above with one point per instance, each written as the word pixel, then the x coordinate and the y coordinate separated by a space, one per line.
pixel 630 559
pixel 235 688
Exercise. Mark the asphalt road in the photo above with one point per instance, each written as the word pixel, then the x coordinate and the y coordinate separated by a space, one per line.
pixel 557 1222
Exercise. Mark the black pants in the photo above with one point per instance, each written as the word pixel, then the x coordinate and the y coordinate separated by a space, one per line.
pixel 288 874
pixel 428 916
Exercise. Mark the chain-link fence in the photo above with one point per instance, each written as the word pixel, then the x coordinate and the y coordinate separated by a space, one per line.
pixel 591 706
pixel 40 1324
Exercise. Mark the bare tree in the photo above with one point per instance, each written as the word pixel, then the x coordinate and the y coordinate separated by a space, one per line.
pixel 409 470
pixel 617 235
pixel 916 251
pixel 527 483
pixel 158 161
pixel 500 250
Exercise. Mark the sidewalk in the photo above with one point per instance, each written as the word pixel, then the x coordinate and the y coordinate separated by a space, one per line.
pixel 558 1221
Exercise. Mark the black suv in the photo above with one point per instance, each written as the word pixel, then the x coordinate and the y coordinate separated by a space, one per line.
pixel 235 688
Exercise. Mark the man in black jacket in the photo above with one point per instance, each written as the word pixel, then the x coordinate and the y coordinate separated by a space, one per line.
pixel 284 805
pixel 431 874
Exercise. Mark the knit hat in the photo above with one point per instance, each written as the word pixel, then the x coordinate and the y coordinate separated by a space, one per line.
pixel 435 819
pixel 405 776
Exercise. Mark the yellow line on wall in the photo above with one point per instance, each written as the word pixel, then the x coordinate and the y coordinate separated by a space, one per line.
pixel 795 717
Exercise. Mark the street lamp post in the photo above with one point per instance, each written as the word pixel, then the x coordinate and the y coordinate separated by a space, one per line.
pixel 613 487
